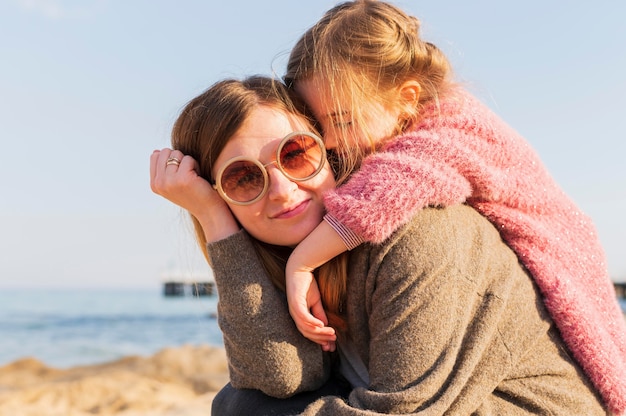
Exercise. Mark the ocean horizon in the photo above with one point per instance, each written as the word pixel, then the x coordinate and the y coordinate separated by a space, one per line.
pixel 71 327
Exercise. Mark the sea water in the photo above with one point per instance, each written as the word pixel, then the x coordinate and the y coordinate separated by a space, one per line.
pixel 64 328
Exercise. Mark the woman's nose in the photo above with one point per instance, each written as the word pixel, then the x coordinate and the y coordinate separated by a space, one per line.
pixel 280 186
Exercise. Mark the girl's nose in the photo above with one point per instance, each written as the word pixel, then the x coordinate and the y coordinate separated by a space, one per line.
pixel 280 186
pixel 330 140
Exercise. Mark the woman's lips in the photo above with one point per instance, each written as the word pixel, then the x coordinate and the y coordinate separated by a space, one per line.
pixel 292 211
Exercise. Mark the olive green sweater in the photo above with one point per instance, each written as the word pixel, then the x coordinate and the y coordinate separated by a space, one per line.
pixel 442 314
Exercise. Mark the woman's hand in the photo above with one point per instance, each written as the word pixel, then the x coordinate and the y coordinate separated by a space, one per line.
pixel 175 177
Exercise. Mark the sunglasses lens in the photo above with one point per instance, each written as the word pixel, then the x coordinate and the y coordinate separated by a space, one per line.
pixel 242 181
pixel 301 157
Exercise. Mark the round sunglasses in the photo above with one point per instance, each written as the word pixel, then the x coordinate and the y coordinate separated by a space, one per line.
pixel 243 181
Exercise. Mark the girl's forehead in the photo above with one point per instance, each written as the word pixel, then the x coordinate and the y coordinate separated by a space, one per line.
pixel 324 101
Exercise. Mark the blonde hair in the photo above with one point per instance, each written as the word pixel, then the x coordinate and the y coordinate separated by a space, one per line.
pixel 362 50
pixel 203 129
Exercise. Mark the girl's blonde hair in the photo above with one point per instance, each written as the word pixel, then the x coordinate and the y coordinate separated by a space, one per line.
pixel 203 129
pixel 362 50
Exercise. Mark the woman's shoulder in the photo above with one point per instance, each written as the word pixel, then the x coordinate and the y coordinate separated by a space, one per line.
pixel 456 237
pixel 442 224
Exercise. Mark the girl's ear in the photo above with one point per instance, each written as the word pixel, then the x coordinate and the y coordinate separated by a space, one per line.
pixel 410 95
pixel 408 99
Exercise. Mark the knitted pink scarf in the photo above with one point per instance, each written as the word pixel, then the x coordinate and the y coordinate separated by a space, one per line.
pixel 462 152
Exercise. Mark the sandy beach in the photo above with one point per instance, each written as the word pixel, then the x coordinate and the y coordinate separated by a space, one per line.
pixel 179 381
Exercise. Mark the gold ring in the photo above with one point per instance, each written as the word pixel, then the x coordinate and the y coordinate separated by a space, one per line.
pixel 172 161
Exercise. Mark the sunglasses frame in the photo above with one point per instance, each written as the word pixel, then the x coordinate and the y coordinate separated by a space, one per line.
pixel 266 181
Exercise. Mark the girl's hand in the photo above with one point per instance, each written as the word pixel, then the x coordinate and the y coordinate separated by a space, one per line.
pixel 306 309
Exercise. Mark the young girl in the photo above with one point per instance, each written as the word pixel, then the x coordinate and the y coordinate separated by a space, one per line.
pixel 384 98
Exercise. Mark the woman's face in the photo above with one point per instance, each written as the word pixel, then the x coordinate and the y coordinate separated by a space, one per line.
pixel 289 210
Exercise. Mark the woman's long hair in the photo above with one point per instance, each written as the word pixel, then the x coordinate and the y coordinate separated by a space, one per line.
pixel 203 129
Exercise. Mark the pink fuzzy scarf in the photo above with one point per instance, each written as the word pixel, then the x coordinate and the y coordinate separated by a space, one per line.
pixel 462 152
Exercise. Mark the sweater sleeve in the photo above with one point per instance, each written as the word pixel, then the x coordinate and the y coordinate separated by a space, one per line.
pixel 391 186
pixel 459 152
pixel 264 348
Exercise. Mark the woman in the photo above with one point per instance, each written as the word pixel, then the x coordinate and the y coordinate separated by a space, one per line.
pixel 230 121
pixel 438 319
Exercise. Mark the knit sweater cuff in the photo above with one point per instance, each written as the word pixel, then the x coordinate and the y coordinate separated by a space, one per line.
pixel 349 238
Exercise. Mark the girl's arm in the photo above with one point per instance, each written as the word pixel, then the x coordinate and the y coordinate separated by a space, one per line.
pixel 321 245
pixel 385 193
pixel 393 185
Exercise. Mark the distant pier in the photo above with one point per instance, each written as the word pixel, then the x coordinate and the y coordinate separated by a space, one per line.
pixel 187 288
pixel 620 289
pixel 194 281
pixel 178 288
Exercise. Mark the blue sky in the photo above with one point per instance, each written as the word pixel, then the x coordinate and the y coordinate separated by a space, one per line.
pixel 89 88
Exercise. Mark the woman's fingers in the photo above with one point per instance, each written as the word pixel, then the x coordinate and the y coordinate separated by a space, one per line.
pixel 160 162
pixel 169 170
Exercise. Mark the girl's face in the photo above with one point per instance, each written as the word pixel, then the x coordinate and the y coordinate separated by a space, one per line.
pixel 337 116
pixel 289 210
